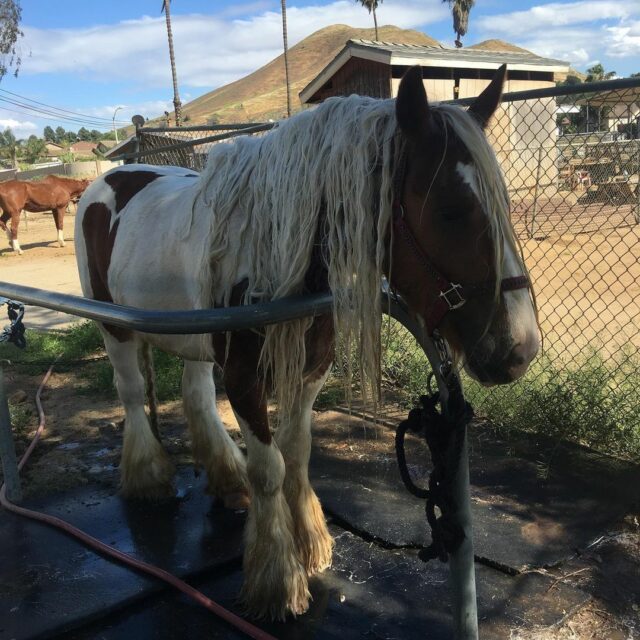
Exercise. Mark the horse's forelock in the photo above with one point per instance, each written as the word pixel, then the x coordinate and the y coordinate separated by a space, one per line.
pixel 491 186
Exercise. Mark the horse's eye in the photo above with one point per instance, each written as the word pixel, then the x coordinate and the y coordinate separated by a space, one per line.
pixel 453 214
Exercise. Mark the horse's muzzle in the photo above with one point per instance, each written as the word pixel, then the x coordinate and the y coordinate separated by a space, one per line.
pixel 499 369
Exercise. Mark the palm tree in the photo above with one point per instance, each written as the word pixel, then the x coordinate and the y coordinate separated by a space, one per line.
pixel 460 10
pixel 597 73
pixel 372 5
pixel 285 40
pixel 176 98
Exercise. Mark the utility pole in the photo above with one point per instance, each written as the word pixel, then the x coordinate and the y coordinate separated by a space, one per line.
pixel 177 105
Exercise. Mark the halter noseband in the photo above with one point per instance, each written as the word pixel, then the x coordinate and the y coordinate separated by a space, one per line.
pixel 451 295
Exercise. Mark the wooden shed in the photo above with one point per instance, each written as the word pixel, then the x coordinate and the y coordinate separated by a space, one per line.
pixel 522 133
pixel 375 69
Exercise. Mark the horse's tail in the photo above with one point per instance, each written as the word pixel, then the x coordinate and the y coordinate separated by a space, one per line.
pixel 150 378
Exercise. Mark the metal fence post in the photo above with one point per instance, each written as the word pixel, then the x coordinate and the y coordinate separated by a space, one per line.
pixel 7 448
pixel 462 562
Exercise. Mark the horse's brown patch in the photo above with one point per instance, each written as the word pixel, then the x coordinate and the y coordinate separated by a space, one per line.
pixel 127 184
pixel 99 240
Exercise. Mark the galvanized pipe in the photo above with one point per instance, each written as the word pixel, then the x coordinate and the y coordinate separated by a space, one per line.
pixel 7 448
pixel 175 322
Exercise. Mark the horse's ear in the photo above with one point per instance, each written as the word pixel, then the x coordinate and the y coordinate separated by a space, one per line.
pixel 412 107
pixel 487 102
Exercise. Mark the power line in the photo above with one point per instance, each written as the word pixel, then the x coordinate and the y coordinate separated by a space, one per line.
pixel 24 113
pixel 56 117
pixel 53 109
pixel 41 111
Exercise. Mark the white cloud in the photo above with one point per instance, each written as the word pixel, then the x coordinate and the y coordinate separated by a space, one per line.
pixel 20 128
pixel 555 15
pixel 624 41
pixel 210 50
pixel 576 32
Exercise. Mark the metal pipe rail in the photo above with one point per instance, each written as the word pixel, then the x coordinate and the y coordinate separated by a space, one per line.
pixel 174 322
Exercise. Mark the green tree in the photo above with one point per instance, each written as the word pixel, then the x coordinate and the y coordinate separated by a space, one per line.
pixel 285 41
pixel 460 10
pixel 33 149
pixel 371 6
pixel 84 134
pixel 9 146
pixel 177 105
pixel 49 134
pixel 10 33
pixel 570 80
pixel 61 135
pixel 597 74
pixel 96 136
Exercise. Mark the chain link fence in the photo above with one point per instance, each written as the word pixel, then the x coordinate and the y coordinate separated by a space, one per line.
pixel 188 146
pixel 571 158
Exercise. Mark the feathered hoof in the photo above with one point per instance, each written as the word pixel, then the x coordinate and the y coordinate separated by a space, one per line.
pixel 151 480
pixel 313 540
pixel 273 598
pixel 317 552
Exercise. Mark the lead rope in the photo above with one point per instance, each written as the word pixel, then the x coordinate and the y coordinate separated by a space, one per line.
pixel 443 430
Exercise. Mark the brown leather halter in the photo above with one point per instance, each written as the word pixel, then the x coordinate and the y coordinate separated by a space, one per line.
pixel 451 295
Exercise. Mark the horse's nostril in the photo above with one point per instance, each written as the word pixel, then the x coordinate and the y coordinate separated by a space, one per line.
pixel 518 358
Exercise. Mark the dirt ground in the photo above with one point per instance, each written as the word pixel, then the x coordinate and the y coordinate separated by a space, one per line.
pixel 84 433
pixel 43 264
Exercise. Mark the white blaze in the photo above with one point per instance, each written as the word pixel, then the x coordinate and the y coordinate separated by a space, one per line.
pixel 523 326
pixel 469 177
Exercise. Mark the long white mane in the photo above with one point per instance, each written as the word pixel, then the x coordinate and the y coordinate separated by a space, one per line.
pixel 324 175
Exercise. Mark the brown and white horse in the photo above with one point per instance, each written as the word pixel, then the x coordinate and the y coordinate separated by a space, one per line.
pixel 333 199
pixel 49 194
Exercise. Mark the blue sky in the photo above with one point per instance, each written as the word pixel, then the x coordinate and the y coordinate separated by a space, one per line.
pixel 91 56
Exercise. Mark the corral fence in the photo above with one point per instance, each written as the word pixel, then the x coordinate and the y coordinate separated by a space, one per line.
pixel 571 158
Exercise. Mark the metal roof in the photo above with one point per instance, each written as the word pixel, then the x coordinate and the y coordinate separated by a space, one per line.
pixel 392 53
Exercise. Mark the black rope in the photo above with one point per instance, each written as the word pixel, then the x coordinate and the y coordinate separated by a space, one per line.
pixel 444 432
pixel 14 332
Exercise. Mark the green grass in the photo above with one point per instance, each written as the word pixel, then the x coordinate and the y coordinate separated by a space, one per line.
pixel 82 341
pixel 22 417
pixel 591 400
pixel 168 376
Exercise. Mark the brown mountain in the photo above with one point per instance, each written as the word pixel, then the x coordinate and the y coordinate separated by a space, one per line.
pixel 497 45
pixel 262 94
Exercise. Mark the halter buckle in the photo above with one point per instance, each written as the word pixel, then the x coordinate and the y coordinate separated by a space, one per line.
pixel 453 296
